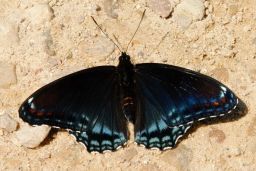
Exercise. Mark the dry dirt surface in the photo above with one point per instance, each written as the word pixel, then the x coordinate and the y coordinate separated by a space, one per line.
pixel 41 41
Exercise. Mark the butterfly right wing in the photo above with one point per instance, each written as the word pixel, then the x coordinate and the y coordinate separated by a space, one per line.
pixel 86 103
pixel 169 99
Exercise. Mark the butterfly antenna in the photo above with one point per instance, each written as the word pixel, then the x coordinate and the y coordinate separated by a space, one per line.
pixel 106 34
pixel 117 41
pixel 136 30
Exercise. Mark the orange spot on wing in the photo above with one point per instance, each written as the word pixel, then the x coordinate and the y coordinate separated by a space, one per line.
pixel 32 110
pixel 40 113
pixel 215 104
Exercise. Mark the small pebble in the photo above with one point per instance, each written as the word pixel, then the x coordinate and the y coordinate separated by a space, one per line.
pixel 206 4
pixel 247 28
pixel 32 137
pixel 93 8
pixel 1 132
pixel 7 75
pixel 188 11
pixel 109 7
pixel 210 9
pixel 161 7
pixel 232 152
pixel 39 14
pixel 8 33
pixel 8 123
pixel 233 9
pixel 98 47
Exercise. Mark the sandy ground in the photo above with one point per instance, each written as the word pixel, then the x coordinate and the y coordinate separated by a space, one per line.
pixel 49 39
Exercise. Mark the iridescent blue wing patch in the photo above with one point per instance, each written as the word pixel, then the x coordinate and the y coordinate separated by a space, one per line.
pixel 108 141
pixel 86 103
pixel 170 99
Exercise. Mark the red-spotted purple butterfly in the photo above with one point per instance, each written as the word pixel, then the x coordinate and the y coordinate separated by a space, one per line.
pixel 96 104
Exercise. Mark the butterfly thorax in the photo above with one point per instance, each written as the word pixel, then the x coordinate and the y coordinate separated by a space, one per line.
pixel 125 70
pixel 126 81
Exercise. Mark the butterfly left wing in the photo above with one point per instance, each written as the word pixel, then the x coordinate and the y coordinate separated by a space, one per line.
pixel 86 103
pixel 169 99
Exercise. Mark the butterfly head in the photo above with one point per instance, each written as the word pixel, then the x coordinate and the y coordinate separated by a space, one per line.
pixel 124 58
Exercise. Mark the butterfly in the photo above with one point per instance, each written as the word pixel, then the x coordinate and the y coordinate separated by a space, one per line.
pixel 96 104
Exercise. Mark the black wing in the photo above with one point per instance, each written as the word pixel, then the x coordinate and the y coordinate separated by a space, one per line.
pixel 169 99
pixel 86 103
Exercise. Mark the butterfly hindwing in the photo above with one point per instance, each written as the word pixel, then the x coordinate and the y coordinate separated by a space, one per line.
pixel 86 103
pixel 169 99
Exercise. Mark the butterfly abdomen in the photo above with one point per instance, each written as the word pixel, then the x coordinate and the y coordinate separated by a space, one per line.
pixel 128 108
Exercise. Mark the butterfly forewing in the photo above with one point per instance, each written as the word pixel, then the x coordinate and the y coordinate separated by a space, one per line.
pixel 86 102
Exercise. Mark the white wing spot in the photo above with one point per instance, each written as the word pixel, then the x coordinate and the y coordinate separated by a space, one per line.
pixel 186 129
pixel 177 139
pixel 30 99
pixel 223 88
pixel 32 106
pixel 166 148
pixel 201 119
